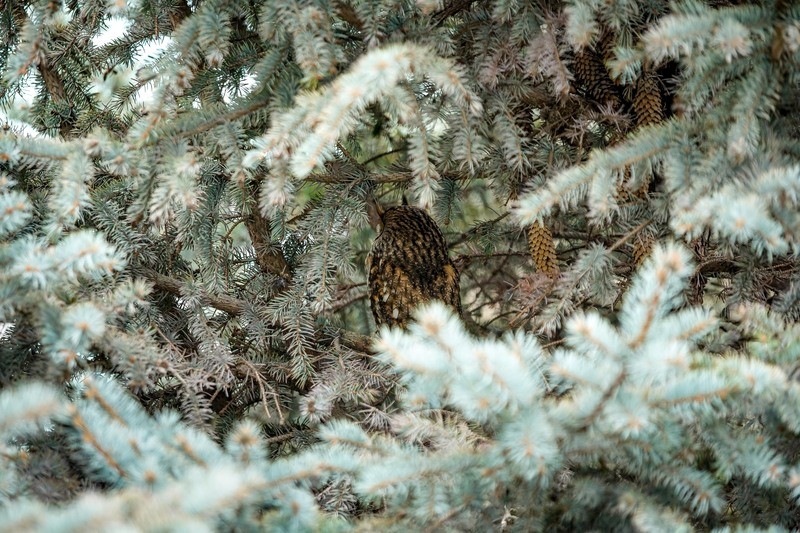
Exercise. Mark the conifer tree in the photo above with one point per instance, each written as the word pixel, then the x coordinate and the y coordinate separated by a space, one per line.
pixel 186 340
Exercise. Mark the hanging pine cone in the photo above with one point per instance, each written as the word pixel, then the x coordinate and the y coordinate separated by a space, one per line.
pixel 591 73
pixel 543 249
pixel 605 45
pixel 648 107
pixel 642 247
pixel 408 265
pixel 647 101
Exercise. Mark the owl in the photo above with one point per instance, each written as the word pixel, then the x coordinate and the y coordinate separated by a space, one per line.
pixel 409 265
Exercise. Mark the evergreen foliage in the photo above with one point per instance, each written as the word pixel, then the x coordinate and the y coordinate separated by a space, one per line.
pixel 185 334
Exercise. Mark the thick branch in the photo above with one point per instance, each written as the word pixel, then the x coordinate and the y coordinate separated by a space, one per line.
pixel 717 265
pixel 53 83
pixel 397 177
pixel 721 265
pixel 235 306
pixel 451 9
pixel 356 342
pixel 348 14
pixel 228 304
pixel 51 79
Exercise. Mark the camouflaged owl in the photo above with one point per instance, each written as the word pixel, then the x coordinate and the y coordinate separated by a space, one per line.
pixel 408 265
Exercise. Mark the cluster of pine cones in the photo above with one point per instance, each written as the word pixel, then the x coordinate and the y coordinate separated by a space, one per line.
pixel 409 263
pixel 590 71
pixel 647 102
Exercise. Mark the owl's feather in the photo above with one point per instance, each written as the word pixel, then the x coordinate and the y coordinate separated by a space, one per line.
pixel 409 265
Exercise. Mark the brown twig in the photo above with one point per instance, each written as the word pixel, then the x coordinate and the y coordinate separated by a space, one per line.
pixel 227 117
pixel 396 177
pixel 469 234
pixel 625 238
pixel 341 304
pixel 604 400
pixel 356 342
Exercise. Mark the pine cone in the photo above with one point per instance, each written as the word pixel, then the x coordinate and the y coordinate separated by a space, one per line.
pixel 649 109
pixel 592 74
pixel 543 249
pixel 647 102
pixel 642 247
pixel 408 265
pixel 605 45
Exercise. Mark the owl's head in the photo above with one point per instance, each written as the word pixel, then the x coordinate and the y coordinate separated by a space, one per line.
pixel 376 212
pixel 410 222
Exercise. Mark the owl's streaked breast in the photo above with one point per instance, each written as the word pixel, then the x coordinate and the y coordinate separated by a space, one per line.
pixel 409 265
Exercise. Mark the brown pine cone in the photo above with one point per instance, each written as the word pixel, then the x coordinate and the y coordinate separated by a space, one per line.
pixel 543 249
pixel 642 247
pixel 647 101
pixel 648 107
pixel 408 265
pixel 592 74
pixel 605 45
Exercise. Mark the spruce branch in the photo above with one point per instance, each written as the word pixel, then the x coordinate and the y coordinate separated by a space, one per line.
pixel 234 114
pixel 55 88
pixel 600 396
pixel 228 304
pixel 608 394
pixel 348 14
pixel 235 306
pixel 89 438
pixel 453 8
pixel 629 235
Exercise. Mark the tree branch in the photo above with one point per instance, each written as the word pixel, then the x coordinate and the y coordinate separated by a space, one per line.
pixel 235 114
pixel 356 342
pixel 453 8
pixel 235 306
pixel 348 14
pixel 228 304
